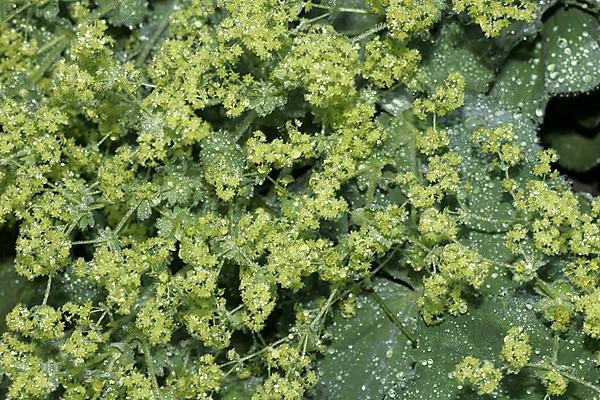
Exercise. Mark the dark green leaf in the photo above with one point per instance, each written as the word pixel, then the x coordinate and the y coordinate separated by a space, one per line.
pixel 573 51
pixel 577 152
pixel 14 289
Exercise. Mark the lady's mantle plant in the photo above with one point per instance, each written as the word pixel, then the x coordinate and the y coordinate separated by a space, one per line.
pixel 273 199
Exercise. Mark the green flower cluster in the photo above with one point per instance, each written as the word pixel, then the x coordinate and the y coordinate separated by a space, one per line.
pixel 194 194
pixel 493 16
pixel 515 355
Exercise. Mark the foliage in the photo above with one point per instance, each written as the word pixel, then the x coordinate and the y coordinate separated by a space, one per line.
pixel 239 199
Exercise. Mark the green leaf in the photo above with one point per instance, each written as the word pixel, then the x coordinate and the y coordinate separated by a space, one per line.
pixel 352 23
pixel 180 184
pixel 144 210
pixel 489 206
pixel 234 389
pixel 369 357
pixel 459 49
pixel 520 83
pixel 375 174
pixel 128 12
pixel 577 152
pixel 518 32
pixel 563 59
pixel 265 98
pixel 14 289
pixel 154 28
pixel 570 38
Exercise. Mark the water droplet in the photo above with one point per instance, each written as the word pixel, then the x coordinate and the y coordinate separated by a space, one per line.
pixel 562 42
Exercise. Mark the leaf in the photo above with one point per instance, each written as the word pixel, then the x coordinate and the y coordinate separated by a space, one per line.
pixel 464 49
pixel 570 38
pixel 459 49
pixel 265 98
pixel 369 356
pixel 171 225
pixel 180 184
pixel 379 363
pixel 489 206
pixel 154 27
pixel 363 345
pixel 395 102
pixel 520 83
pixel 234 389
pixel 562 60
pixel 48 11
pixel 221 148
pixel 128 12
pixel 577 152
pixel 518 32
pixel 14 289
pixel 478 333
pixel 72 287
pixel 352 23
pixel 375 173
pixel 144 210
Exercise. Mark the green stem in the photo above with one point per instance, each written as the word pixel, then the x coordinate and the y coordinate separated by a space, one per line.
pixel 149 45
pixel 236 309
pixel 276 185
pixel 342 9
pixel 39 72
pixel 581 381
pixel 322 312
pixel 369 276
pixel 99 143
pixel 373 30
pixel 51 43
pixel 384 262
pixel 305 22
pixel 415 167
pixel 324 309
pixel 48 287
pixel 84 242
pixel 544 288
pixel 561 370
pixel 353 10
pixel 256 353
pixel 393 318
pixel 366 279
pixel 555 348
pixel 371 189
pixel 149 365
pixel 126 217
pixel 83 367
pixel 17 11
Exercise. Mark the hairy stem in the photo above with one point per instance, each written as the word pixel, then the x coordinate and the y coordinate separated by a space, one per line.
pixel 47 292
pixel 561 370
pixel 392 317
